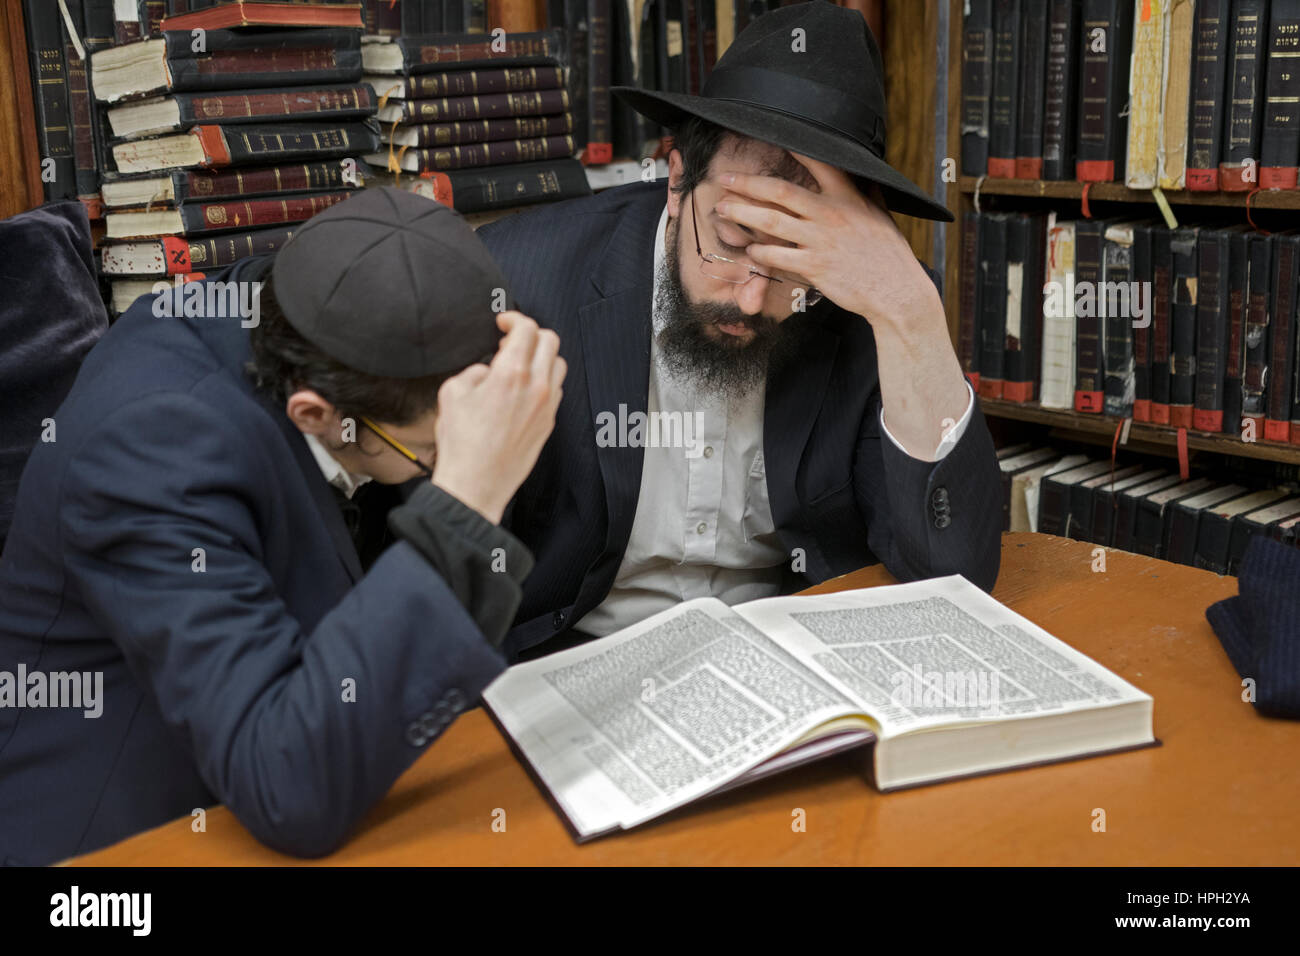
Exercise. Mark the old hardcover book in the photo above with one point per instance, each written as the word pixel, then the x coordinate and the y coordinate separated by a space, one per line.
pixel 1061 90
pixel 1025 490
pixel 1179 543
pixel 976 86
pixel 1161 304
pixel 480 154
pixel 240 13
pixel 427 135
pixel 197 218
pixel 176 255
pixel 480 190
pixel 1142 166
pixel 1014 465
pixel 1262 521
pixel 1281 367
pixel 1247 45
pixel 1259 301
pixel 1153 512
pixel 54 118
pixel 1206 120
pixel 185 110
pixel 178 185
pixel 1279 148
pixel 993 303
pixel 1118 308
pixel 1054 496
pixel 1026 257
pixel 383 17
pixel 1212 280
pixel 428 86
pixel 1176 85
pixel 1106 40
pixel 491 106
pixel 1105 502
pixel 1058 317
pixel 1090 343
pixel 703 697
pixel 1182 328
pixel 969 304
pixel 1234 360
pixel 215 147
pixel 1214 530
pixel 1078 520
pixel 1033 62
pixel 1144 286
pixel 1125 529
pixel 434 52
pixel 1004 111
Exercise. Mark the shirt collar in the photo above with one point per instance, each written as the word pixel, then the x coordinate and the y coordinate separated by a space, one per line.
pixel 334 473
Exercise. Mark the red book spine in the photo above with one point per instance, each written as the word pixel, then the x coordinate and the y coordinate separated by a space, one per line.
pixel 1232 178
pixel 214 109
pixel 1142 410
pixel 1203 180
pixel 1090 402
pixel 460 52
pixel 1029 168
pixel 304 59
pixel 253 213
pixel 1095 170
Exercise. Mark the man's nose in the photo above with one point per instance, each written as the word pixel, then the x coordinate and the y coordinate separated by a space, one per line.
pixel 749 296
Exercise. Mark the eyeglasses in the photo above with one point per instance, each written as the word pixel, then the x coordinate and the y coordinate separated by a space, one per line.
pixel 729 270
pixel 398 447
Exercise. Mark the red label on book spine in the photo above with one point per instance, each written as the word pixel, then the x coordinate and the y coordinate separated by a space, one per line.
pixel 597 154
pixel 1018 391
pixel 1232 179
pixel 991 388
pixel 1202 180
pixel 1002 168
pixel 1159 413
pixel 974 379
pixel 1090 402
pixel 1180 416
pixel 1142 410
pixel 176 251
pixel 1277 431
pixel 1277 177
pixel 1095 170
pixel 1206 421
pixel 1029 168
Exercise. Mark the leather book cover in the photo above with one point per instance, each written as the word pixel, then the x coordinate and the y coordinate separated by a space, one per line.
pixel 993 303
pixel 1177 84
pixel 1105 503
pixel 1115 302
pixel 240 13
pixel 1004 108
pixel 1026 257
pixel 1061 90
pixel 1162 285
pixel 976 86
pixel 1126 513
pixel 1183 522
pixel 1234 359
pixel 1259 306
pixel 1279 147
pixel 1182 328
pixel 1152 510
pixel 1089 382
pixel 1030 105
pixel 1103 90
pixel 1083 497
pixel 1205 125
pixel 1281 367
pixel 1212 279
pixel 1244 95
pixel 968 306
pixel 1142 275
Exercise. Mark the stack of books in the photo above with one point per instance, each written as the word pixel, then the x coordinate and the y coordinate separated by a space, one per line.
pixel 234 124
pixel 487 120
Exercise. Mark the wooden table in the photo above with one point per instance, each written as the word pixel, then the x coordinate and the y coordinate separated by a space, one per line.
pixel 1224 788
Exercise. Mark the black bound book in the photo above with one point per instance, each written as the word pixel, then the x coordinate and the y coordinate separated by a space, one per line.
pixel 1033 63
pixel 968 339
pixel 496 187
pixel 1153 512
pixel 1005 108
pixel 1182 337
pixel 1026 261
pixel 993 303
pixel 1184 522
pixel 1259 301
pixel 1279 146
pixel 1090 346
pixel 1205 122
pixel 1244 95
pixel 1214 530
pixel 1105 502
pixel 1105 43
pixel 1234 360
pixel 1162 285
pixel 1115 302
pixel 1261 521
pixel 1061 89
pixel 976 86
pixel 50 93
pixel 1211 328
pixel 1083 495
pixel 1281 368
pixel 1126 514
pixel 1054 496
pixel 1013 465
pixel 1142 275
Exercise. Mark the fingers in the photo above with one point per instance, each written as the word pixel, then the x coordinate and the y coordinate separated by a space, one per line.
pixel 796 198
pixel 780 258
pixel 544 355
pixel 773 222
pixel 515 353
pixel 829 178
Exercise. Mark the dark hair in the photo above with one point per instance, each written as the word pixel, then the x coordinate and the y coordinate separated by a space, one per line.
pixel 283 362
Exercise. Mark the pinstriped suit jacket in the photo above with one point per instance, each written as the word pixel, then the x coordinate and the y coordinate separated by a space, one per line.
pixel 839 489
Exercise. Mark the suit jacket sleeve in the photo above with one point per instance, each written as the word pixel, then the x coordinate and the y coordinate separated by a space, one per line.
pixel 257 699
pixel 930 519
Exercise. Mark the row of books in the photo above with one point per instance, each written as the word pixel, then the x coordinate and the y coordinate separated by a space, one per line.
pixel 1191 328
pixel 1200 521
pixel 1179 94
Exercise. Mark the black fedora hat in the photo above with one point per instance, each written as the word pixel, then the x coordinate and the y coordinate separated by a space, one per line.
pixel 821 95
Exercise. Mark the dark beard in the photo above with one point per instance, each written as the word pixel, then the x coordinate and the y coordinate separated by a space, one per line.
pixel 695 350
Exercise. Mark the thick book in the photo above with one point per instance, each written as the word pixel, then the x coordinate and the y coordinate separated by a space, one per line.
pixel 1244 95
pixel 1179 541
pixel 1025 490
pixel 198 218
pixel 1032 91
pixel 1054 496
pixel 1083 495
pixel 179 185
pixel 240 13
pixel 1144 285
pixel 427 86
pixel 1213 549
pixel 1105 502
pixel 182 111
pixel 1212 311
pixel 1279 147
pixel 126 22
pixel 968 352
pixel 1182 327
pixel 1004 105
pixel 1162 285
pixel 1234 359
pixel 232 60
pixel 431 53
pixel 1026 257
pixel 1123 536
pixel 176 255
pixel 427 135
pixel 1153 513
pixel 703 697
pixel 1058 361
pixel 1105 41
pixel 1142 162
pixel 1090 369
pixel 1014 465
pixel 383 17
pixel 1176 94
pixel 479 154
pixel 1262 521
pixel 1118 302
pixel 496 187
pixel 993 303
pixel 1205 124
pixel 1282 334
pixel 976 86
pixel 54 119
pixel 217 147
pixel 1061 89
pixel 1259 307
pixel 448 109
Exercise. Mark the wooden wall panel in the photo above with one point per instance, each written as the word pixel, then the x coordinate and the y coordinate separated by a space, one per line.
pixel 20 172
pixel 910 79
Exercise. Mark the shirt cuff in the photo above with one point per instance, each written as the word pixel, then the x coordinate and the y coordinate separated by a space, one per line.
pixel 950 437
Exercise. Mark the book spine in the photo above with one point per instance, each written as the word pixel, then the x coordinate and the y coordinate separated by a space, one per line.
pixel 220 251
pixel 329 175
pixel 968 338
pixel 1286 256
pixel 1205 124
pixel 1211 329
pixel 1142 161
pixel 1006 80
pixel 99 35
pixel 599 134
pixel 1104 67
pixel 255 213
pixel 478 82
pixel 1254 407
pixel 1058 319
pixel 309 57
pixel 1061 90
pixel 151 17
pixel 354 102
pixel 50 92
pixel 424 57
pixel 384 17
pixel 1279 148
pixel 413 19
pixel 1245 95
pixel 126 21
pixel 1115 302
pixel 1176 93
pixel 485 131
pixel 489 154
pixel 1053 500
pixel 481 190
pixel 1182 330
pixel 1089 380
pixel 976 86
pixel 271 144
pixel 492 106
pixel 81 110
pixel 1235 358
pixel 1161 292
pixel 1033 63
pixel 993 304
pixel 1143 285
pixel 1018 341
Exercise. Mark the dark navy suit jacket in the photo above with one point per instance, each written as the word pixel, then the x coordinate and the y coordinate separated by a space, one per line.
pixel 839 489
pixel 224 684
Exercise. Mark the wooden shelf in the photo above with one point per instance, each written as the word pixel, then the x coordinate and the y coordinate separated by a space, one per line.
pixel 1162 438
pixel 1114 192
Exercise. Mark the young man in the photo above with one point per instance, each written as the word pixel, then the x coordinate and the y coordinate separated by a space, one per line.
pixel 185 615
pixel 762 390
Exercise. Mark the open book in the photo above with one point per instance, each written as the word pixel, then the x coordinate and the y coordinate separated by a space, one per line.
pixel 939 677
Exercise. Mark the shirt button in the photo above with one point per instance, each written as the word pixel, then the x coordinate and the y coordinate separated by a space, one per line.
pixel 708 451
pixel 701 528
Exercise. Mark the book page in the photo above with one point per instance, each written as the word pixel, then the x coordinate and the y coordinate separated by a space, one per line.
pixel 627 727
pixel 935 653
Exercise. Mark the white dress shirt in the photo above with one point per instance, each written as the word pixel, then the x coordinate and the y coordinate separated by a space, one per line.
pixel 703 523
pixel 334 473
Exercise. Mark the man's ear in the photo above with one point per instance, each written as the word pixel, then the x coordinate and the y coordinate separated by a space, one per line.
pixel 311 414
pixel 676 170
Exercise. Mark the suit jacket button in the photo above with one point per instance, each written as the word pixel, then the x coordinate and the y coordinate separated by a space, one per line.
pixel 942 521
pixel 415 735
pixel 940 498
pixel 455 700
pixel 558 619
